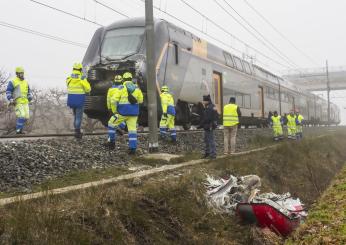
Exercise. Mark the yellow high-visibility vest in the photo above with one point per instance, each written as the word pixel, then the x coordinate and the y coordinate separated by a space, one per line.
pixel 291 121
pixel 230 115
pixel 21 89
pixel 76 84
pixel 276 121
pixel 166 101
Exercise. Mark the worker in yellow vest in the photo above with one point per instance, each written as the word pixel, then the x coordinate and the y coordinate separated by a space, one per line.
pixel 299 122
pixel 276 122
pixel 117 85
pixel 291 126
pixel 78 87
pixel 126 104
pixel 19 95
pixel 231 114
pixel 168 114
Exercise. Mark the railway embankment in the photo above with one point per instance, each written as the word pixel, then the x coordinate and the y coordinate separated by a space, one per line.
pixel 170 207
pixel 27 164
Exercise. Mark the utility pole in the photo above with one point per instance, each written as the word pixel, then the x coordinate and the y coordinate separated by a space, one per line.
pixel 328 92
pixel 151 77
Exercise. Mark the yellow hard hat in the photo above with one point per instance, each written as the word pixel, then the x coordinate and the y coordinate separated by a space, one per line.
pixel 118 78
pixel 77 66
pixel 164 88
pixel 127 76
pixel 19 69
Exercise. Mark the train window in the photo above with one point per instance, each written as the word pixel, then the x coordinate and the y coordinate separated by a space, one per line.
pixel 270 92
pixel 290 98
pixel 247 67
pixel 239 99
pixel 229 60
pixel 176 53
pixel 276 94
pixel 247 101
pixel 204 72
pixel 238 63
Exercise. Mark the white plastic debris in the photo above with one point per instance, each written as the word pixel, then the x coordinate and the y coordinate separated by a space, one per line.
pixel 223 195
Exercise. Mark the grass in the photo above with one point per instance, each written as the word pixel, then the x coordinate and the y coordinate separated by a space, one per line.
pixel 326 221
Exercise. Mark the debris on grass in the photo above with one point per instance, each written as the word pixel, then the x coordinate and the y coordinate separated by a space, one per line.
pixel 281 213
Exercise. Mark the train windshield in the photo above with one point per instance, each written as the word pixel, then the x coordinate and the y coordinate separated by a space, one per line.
pixel 119 43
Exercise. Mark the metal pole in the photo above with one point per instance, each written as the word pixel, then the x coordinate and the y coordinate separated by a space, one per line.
pixel 279 96
pixel 328 92
pixel 151 77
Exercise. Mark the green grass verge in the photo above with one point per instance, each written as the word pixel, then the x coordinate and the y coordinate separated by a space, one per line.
pixel 326 223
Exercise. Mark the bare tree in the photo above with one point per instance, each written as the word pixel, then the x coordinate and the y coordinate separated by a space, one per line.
pixel 6 112
pixel 48 112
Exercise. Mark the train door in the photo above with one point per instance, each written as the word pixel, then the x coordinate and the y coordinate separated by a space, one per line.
pixel 217 91
pixel 261 100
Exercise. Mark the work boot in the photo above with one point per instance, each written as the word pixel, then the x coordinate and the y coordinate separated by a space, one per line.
pixel 19 131
pixel 206 155
pixel 78 134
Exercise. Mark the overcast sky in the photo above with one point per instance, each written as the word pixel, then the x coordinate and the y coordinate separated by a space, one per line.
pixel 315 26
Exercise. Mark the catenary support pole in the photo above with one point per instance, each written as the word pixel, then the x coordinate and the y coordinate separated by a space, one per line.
pixel 328 92
pixel 151 77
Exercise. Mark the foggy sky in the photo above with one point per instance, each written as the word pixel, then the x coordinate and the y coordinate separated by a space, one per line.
pixel 315 26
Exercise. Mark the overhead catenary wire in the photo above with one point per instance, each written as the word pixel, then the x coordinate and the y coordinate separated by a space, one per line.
pixel 194 28
pixel 65 12
pixel 280 33
pixel 233 36
pixel 41 34
pixel 208 35
pixel 260 34
pixel 110 8
pixel 254 35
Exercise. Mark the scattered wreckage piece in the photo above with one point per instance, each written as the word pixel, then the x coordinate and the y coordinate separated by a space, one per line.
pixel 240 195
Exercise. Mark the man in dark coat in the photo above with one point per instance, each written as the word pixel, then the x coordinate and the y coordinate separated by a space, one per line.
pixel 209 123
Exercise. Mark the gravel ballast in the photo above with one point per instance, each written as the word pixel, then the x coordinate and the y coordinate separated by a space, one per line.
pixel 27 163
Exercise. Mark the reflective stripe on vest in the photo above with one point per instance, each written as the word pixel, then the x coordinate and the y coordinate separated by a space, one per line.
pixel 230 115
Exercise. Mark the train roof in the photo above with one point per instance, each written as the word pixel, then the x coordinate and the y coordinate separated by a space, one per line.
pixel 258 71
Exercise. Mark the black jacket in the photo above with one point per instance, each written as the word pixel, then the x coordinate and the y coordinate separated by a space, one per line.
pixel 209 117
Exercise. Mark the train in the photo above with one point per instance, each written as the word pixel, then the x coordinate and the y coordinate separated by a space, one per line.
pixel 192 67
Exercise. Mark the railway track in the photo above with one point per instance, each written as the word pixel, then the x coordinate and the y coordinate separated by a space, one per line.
pixel 145 132
pixel 48 136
